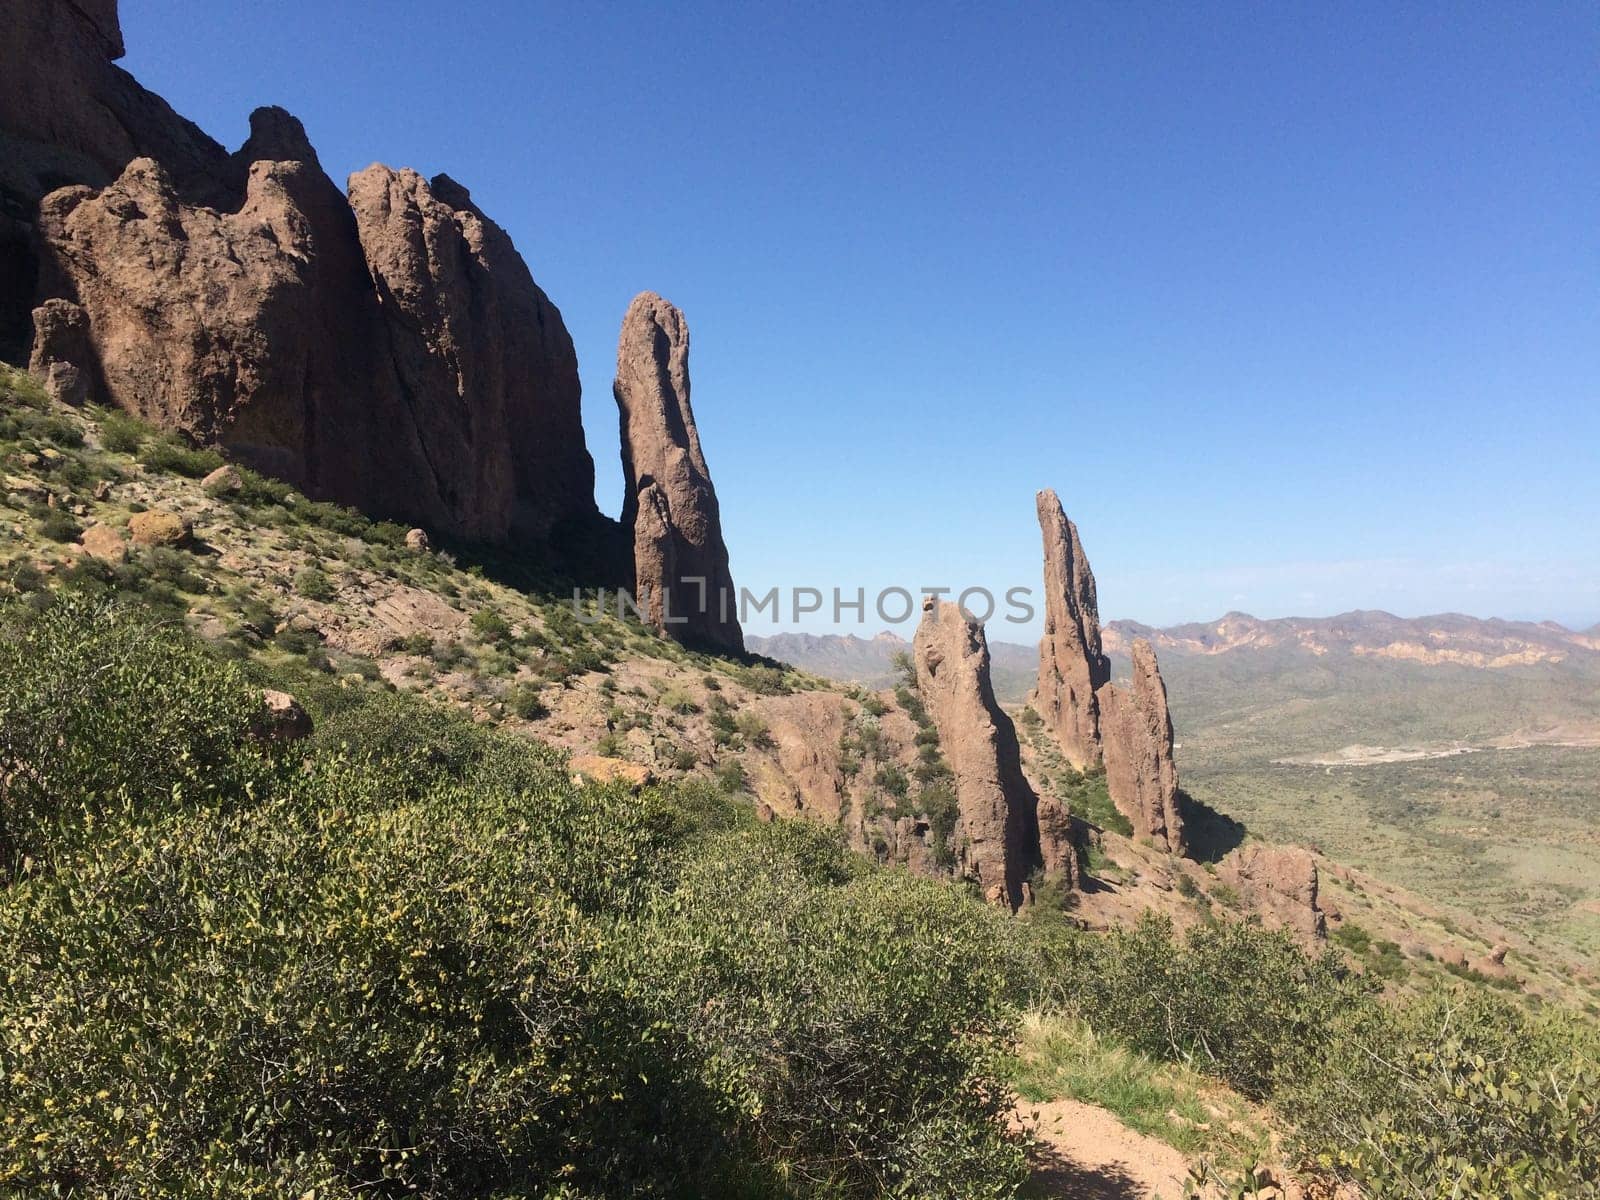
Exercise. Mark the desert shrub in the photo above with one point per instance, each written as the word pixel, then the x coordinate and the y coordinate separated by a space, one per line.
pixel 489 626
pixel 938 803
pixel 874 706
pixel 102 713
pixel 58 526
pixel 466 976
pixel 172 455
pixel 1230 999
pixel 796 966
pixel 1457 1092
pixel 765 680
pixel 526 703
pixel 753 730
pixel 730 776
pixel 679 701
pixel 314 584
pixel 121 432
pixel 892 780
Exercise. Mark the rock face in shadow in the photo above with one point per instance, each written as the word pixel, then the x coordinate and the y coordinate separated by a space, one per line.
pixel 996 838
pixel 1137 734
pixel 680 560
pixel 1071 666
pixel 1280 883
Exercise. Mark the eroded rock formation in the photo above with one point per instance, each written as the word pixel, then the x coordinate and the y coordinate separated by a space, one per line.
pixel 63 359
pixel 482 357
pixel 1280 883
pixel 1071 666
pixel 680 561
pixel 996 836
pixel 1136 734
pixel 389 350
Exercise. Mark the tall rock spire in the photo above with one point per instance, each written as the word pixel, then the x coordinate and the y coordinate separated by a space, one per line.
pixel 680 560
pixel 1071 665
pixel 1140 772
pixel 996 837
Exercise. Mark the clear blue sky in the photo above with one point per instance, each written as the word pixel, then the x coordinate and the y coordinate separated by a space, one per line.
pixel 1296 305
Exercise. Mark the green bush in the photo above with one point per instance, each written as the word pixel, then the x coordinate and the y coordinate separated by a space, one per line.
pixel 1230 999
pixel 173 456
pixel 1458 1092
pixel 121 432
pixel 314 584
pixel 410 958
pixel 58 526
pixel 103 713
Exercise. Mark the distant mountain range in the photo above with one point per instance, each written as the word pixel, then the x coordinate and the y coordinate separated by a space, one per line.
pixel 1447 638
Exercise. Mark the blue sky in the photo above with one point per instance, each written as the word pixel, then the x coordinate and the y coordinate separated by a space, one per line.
pixel 1297 306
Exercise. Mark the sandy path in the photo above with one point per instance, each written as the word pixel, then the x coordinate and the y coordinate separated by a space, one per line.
pixel 1086 1153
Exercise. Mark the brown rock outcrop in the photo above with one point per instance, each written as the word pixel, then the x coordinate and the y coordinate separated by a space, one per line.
pixel 1071 666
pixel 1136 731
pixel 996 834
pixel 389 350
pixel 104 542
pixel 680 560
pixel 1058 841
pixel 484 363
pixel 1280 883
pixel 69 115
pixel 62 359
pixel 601 769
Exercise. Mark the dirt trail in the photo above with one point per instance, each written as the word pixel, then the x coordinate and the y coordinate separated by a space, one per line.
pixel 1086 1153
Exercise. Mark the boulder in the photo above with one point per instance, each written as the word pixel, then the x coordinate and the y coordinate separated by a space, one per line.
pixel 1279 883
pixel 159 528
pixel 1136 733
pixel 417 539
pixel 681 575
pixel 598 768
pixel 1072 667
pixel 996 837
pixel 281 719
pixel 225 480
pixel 104 542
pixel 1493 964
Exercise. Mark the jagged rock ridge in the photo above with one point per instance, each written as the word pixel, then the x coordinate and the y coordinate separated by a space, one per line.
pixel 680 560
pixel 1095 721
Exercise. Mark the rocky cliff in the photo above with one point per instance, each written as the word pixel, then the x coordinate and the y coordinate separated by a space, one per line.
pixel 680 561
pixel 388 349
pixel 997 829
pixel 1071 666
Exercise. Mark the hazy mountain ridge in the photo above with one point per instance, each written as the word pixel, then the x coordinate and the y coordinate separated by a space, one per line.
pixel 1442 638
pixel 1452 639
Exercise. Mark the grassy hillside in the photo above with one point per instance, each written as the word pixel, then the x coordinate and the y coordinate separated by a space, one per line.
pixel 409 955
